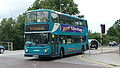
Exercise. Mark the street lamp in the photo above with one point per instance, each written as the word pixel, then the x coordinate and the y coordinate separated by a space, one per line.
pixel 60 5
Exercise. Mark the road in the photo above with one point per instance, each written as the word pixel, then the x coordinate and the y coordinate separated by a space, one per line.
pixel 22 63
pixel 15 59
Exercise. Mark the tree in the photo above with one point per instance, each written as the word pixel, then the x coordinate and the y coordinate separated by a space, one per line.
pixel 64 6
pixel 36 5
pixel 115 29
pixel 114 32
pixel 7 30
pixel 11 31
pixel 20 32
pixel 111 31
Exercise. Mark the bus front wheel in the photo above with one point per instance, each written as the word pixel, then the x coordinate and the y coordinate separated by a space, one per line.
pixel 61 53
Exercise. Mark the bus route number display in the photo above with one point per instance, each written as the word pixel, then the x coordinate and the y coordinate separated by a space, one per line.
pixel 37 28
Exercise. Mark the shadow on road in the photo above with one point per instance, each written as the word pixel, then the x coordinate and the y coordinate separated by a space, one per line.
pixel 52 58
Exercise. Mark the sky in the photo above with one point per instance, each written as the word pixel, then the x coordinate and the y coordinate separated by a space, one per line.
pixel 13 8
pixel 96 12
pixel 99 12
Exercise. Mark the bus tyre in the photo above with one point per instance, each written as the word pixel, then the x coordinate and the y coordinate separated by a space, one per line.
pixel 82 50
pixel 96 48
pixel 61 53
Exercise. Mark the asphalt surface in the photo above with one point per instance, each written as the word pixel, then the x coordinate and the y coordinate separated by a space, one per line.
pixel 101 58
pixel 15 59
pixel 33 63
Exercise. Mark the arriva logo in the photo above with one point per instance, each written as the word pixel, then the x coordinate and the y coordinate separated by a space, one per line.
pixel 36 50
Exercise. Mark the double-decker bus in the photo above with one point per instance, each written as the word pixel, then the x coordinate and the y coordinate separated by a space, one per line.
pixel 49 33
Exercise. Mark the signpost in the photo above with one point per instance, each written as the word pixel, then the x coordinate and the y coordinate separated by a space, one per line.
pixel 102 32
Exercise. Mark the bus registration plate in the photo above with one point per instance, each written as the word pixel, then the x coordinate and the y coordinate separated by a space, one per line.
pixel 35 55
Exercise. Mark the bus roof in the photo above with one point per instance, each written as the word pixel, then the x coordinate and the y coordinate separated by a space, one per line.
pixel 57 13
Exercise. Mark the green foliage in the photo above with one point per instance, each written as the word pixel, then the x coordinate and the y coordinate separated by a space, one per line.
pixel 113 32
pixel 20 31
pixel 7 30
pixel 94 36
pixel 66 6
pixel 115 29
pixel 105 39
pixel 11 31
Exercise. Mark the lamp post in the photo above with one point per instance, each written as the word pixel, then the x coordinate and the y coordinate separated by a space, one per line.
pixel 60 5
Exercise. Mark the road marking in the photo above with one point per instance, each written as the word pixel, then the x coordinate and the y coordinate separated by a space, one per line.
pixel 96 62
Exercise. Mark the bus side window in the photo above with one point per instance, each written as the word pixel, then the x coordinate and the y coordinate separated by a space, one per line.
pixel 80 23
pixel 60 40
pixel 85 23
pixel 68 21
pixel 64 21
pixel 60 19
pixel 55 17
pixel 72 21
pixel 76 22
pixel 69 40
pixel 63 39
pixel 83 38
pixel 76 39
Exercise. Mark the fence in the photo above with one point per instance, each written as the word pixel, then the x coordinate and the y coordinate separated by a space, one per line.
pixel 7 45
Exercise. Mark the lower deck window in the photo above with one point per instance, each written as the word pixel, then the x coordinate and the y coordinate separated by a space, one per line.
pixel 63 39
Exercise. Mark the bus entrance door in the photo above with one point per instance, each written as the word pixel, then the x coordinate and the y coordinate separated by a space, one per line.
pixel 54 44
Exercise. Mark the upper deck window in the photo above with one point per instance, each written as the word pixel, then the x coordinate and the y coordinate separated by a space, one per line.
pixel 64 19
pixel 55 17
pixel 31 17
pixel 42 16
pixel 37 17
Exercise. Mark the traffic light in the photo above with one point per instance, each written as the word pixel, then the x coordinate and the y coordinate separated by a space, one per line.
pixel 102 28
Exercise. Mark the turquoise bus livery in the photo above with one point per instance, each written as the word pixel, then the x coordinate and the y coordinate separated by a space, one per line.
pixel 49 33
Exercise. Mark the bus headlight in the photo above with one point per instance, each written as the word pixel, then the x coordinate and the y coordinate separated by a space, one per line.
pixel 26 50
pixel 46 50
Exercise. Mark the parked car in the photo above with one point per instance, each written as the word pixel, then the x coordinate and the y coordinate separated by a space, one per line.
pixel 93 43
pixel 2 49
pixel 113 43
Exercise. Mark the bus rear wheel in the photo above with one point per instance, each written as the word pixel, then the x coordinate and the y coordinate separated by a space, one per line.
pixel 61 53
pixel 82 50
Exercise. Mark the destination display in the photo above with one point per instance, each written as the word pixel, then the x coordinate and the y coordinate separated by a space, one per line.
pixel 69 28
pixel 37 27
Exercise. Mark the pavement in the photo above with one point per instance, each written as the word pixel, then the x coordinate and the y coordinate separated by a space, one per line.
pixel 105 56
pixel 15 52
